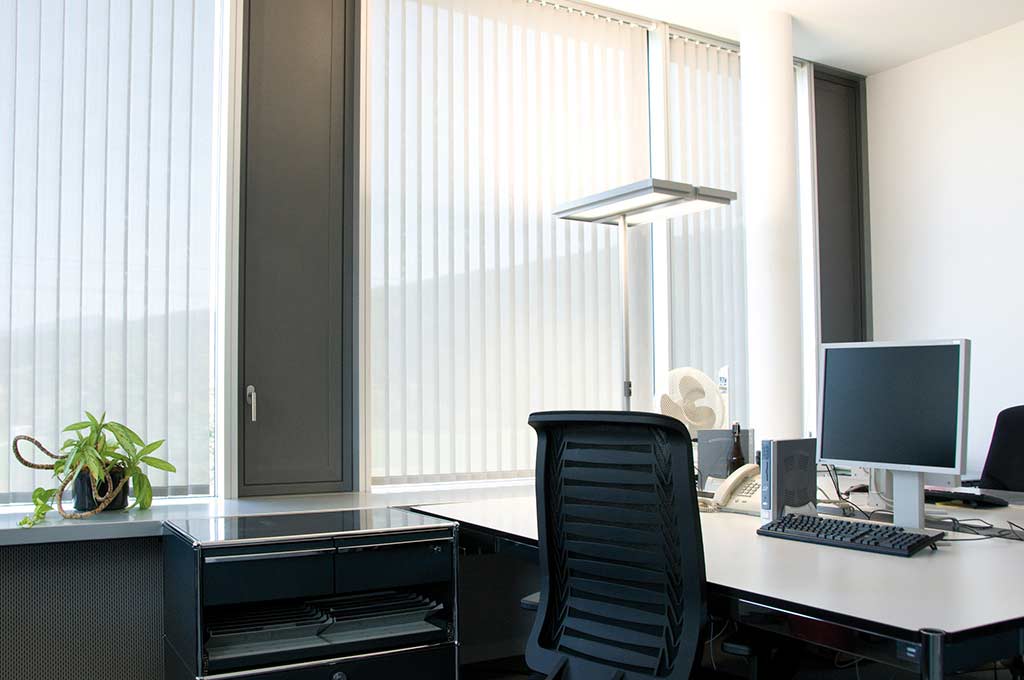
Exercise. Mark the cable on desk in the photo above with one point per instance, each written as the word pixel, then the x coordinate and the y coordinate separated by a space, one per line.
pixel 961 526
pixel 834 476
pixel 843 504
pixel 1013 533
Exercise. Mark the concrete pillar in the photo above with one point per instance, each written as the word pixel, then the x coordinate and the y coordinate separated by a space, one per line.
pixel 769 198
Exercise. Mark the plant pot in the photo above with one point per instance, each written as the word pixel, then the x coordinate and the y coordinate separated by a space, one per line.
pixel 84 502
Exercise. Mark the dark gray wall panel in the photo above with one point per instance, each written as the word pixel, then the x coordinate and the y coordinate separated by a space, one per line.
pixel 82 610
pixel 841 236
pixel 295 236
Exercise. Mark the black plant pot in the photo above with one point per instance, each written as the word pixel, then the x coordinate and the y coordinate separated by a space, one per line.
pixel 84 502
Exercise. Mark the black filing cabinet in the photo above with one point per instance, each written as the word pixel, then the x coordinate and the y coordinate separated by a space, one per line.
pixel 347 595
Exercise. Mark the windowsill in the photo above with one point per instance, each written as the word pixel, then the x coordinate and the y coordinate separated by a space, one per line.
pixel 149 523
pixel 449 486
pixel 26 508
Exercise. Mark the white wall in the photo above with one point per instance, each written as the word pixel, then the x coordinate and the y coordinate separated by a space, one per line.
pixel 946 159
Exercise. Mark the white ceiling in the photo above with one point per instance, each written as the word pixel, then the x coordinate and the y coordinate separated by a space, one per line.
pixel 863 36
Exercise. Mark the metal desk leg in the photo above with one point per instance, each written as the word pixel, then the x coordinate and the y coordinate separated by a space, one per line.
pixel 932 640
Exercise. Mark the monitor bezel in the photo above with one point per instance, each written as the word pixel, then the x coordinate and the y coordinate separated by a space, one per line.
pixel 962 405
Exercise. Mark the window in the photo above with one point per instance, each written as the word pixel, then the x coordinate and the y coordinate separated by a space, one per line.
pixel 707 260
pixel 109 165
pixel 808 205
pixel 483 116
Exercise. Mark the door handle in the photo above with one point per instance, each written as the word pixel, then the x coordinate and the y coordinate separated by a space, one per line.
pixel 250 398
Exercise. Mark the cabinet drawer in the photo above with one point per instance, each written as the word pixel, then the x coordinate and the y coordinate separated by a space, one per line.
pixel 365 567
pixel 284 570
pixel 436 663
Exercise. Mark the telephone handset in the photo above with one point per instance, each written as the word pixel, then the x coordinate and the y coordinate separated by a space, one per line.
pixel 740 492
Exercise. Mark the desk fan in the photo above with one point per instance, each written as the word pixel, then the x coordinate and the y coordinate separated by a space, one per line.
pixel 693 398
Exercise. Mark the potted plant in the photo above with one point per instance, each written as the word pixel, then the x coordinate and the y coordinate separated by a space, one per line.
pixel 98 468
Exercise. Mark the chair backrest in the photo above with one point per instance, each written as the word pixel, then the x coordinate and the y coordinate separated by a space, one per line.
pixel 623 586
pixel 1004 467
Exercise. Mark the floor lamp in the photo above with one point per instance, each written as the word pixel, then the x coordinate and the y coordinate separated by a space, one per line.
pixel 642 202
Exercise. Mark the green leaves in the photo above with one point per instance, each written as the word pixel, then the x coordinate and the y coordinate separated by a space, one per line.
pixel 143 490
pixel 148 449
pixel 158 463
pixel 74 427
pixel 41 495
pixel 95 465
pixel 120 458
pixel 125 437
pixel 41 498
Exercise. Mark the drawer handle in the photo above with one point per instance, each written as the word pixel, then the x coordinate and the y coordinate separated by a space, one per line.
pixel 251 557
pixel 396 544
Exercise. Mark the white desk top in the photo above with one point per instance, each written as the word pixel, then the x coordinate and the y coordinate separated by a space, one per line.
pixel 960 586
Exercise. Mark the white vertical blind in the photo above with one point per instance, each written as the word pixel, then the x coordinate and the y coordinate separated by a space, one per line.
pixel 707 256
pixel 108 163
pixel 483 116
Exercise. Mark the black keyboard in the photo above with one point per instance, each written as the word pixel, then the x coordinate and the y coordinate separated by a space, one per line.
pixel 841 533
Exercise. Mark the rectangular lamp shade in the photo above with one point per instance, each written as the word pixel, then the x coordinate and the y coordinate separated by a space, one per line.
pixel 645 201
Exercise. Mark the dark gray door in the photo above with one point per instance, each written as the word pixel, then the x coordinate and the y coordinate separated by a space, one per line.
pixel 294 247
pixel 842 253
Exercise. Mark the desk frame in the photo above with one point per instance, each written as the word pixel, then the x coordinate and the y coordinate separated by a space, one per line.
pixel 930 653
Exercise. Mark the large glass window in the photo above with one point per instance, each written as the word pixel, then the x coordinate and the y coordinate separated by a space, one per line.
pixel 109 171
pixel 483 116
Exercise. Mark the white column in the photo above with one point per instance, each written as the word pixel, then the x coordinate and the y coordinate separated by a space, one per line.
pixel 770 210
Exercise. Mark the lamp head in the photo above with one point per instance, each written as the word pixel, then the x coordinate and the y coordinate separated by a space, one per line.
pixel 645 201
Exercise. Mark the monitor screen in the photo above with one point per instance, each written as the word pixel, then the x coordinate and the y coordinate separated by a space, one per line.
pixel 891 406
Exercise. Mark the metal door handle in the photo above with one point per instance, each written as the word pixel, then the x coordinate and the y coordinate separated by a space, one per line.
pixel 250 398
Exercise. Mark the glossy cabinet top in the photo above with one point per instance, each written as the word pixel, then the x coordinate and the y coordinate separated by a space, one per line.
pixel 293 526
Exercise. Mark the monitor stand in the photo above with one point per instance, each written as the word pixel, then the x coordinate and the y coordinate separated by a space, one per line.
pixel 908 499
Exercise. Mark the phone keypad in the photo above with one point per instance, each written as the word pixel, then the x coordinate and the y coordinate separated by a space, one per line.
pixel 749 488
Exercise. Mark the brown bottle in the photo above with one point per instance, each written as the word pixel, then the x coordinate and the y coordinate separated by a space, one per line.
pixel 736 459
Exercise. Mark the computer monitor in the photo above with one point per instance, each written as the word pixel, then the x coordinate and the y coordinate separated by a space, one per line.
pixel 897 406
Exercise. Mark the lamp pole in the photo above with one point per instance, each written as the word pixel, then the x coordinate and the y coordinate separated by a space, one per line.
pixel 627 383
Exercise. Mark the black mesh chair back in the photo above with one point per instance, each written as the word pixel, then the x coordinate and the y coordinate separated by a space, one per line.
pixel 1004 467
pixel 623 586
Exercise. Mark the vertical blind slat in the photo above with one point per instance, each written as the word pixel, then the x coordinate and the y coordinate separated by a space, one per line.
pixel 438 277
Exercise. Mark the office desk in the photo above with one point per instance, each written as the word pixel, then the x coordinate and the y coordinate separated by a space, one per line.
pixel 938 612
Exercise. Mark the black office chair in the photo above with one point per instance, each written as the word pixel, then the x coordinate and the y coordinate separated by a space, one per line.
pixel 1004 467
pixel 623 587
